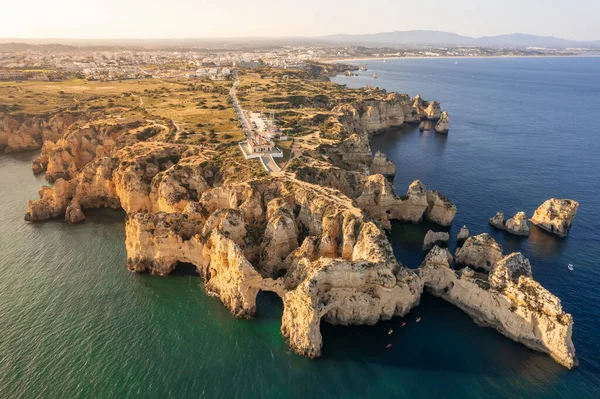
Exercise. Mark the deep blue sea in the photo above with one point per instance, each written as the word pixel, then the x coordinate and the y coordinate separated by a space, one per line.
pixel 74 323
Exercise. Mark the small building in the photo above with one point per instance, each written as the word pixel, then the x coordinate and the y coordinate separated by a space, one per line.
pixel 261 145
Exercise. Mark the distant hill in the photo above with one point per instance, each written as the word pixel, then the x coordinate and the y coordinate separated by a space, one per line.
pixel 411 38
pixel 437 38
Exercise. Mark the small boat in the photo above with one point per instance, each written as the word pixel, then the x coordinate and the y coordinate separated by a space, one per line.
pixel 390 332
pixel 363 68
pixel 418 319
pixel 375 75
pixel 403 324
pixel 388 346
pixel 570 267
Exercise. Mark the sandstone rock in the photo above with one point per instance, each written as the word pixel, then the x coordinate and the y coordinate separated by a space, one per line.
pixel 433 111
pixel 439 209
pixel 517 224
pixel 556 216
pixel 497 221
pixel 381 165
pixel 433 238
pixel 74 214
pixel 443 124
pixel 463 234
pixel 509 300
pixel 480 252
pixel 53 201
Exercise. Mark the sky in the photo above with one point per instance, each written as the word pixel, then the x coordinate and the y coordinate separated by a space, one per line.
pixel 103 19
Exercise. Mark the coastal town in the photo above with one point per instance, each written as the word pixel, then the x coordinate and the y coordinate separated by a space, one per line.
pixel 46 63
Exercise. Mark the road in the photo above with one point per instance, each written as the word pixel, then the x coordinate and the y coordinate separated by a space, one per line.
pixel 269 164
pixel 238 108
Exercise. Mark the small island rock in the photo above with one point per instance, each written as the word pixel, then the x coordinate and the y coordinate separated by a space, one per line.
pixel 463 234
pixel 556 216
pixel 443 124
pixel 497 221
pixel 518 224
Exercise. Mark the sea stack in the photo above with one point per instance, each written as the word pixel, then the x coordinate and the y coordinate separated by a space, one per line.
pixel 463 234
pixel 517 224
pixel 556 216
pixel 443 124
pixel 497 221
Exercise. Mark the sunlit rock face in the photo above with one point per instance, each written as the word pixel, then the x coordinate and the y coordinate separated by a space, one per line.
pixel 443 124
pixel 479 252
pixel 556 216
pixel 517 225
pixel 433 238
pixel 507 299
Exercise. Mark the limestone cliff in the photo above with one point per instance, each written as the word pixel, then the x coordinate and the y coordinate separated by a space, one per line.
pixel 556 216
pixel 382 166
pixel 507 299
pixel 344 271
pixel 29 132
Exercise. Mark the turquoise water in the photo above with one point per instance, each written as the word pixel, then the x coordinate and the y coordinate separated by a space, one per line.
pixel 74 323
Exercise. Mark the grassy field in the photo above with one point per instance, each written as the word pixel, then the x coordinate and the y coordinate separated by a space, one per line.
pixel 200 109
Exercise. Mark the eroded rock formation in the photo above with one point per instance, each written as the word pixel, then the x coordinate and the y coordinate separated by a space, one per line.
pixel 556 216
pixel 517 224
pixel 497 221
pixel 382 166
pixel 443 124
pixel 433 238
pixel 479 252
pixel 507 299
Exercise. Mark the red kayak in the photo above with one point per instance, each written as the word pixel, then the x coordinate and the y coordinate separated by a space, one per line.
pixel 403 324
pixel 388 345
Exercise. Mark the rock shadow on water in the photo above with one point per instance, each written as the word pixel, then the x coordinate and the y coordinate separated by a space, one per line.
pixel 464 346
pixel 545 245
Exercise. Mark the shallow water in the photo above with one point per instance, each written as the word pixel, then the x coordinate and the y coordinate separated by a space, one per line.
pixel 74 323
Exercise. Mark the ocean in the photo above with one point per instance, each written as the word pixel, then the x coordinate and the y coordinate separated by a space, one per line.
pixel 75 323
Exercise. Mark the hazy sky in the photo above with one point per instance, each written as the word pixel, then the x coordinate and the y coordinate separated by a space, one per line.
pixel 570 19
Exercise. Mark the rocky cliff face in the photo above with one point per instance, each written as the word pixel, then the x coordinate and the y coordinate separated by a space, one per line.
pixel 479 252
pixel 378 198
pixel 29 132
pixel 336 265
pixel 507 299
pixel 382 166
pixel 556 216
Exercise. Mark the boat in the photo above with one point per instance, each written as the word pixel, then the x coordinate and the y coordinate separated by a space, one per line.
pixel 570 267
pixel 388 346
pixel 375 75
pixel 403 324
pixel 418 319
pixel 363 68
pixel 390 332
